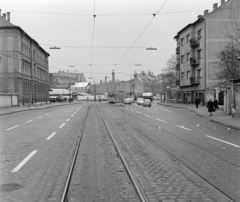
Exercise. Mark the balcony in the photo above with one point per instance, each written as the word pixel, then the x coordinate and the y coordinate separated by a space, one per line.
pixel 194 61
pixel 185 82
pixel 194 80
pixel 178 50
pixel 177 82
pixel 178 66
pixel 195 42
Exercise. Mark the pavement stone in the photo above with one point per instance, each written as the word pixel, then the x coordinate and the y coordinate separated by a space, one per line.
pixel 219 117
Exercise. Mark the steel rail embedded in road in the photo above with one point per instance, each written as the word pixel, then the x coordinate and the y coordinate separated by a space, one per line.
pixel 137 187
pixel 205 181
pixel 64 197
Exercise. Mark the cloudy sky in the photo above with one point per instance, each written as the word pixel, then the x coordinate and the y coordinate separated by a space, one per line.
pixel 116 38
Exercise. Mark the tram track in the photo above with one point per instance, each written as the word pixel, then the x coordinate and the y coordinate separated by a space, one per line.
pixel 153 142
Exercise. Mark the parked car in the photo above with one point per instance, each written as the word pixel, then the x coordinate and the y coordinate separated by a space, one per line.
pixel 147 103
pixel 128 101
pixel 59 99
pixel 132 99
pixel 140 101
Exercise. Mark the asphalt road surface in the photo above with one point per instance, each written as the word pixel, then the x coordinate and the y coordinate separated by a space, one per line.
pixel 126 153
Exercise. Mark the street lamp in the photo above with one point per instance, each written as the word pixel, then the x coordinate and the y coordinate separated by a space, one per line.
pixel 54 47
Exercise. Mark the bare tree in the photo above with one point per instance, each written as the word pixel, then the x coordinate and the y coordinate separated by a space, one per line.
pixel 170 71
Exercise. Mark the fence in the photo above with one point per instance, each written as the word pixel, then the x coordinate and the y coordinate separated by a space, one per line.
pixel 7 100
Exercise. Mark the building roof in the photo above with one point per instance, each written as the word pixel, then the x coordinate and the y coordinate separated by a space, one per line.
pixel 81 85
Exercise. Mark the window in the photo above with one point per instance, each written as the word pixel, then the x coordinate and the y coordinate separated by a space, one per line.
pixel 188 36
pixel 188 56
pixel 188 74
pixel 199 73
pixel 182 41
pixel 182 75
pixel 199 53
pixel 199 34
pixel 182 58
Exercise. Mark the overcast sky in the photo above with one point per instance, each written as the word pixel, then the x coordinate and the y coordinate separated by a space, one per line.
pixel 116 38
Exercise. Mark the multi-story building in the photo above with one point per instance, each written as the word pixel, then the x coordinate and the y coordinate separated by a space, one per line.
pixel 23 64
pixel 62 79
pixel 197 45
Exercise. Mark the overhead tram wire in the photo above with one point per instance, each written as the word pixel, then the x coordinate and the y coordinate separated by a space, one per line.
pixel 94 16
pixel 142 32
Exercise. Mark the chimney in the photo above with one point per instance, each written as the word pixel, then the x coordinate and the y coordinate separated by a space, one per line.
pixel 8 16
pixel 105 79
pixel 205 12
pixel 222 2
pixel 4 15
pixel 199 16
pixel 215 6
pixel 113 81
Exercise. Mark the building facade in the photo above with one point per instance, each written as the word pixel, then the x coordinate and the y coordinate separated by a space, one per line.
pixel 23 64
pixel 64 79
pixel 197 45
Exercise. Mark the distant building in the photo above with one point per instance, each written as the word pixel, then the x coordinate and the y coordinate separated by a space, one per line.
pixel 197 44
pixel 80 87
pixel 63 79
pixel 23 64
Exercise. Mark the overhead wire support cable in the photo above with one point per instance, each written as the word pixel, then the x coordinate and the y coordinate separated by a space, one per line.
pixel 142 32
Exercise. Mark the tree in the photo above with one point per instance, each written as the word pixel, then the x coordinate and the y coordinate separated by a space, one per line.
pixel 170 74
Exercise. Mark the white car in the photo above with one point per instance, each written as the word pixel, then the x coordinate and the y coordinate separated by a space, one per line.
pixel 140 101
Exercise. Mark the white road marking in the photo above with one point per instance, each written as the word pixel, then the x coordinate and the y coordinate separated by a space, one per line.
pixel 147 115
pixel 51 136
pixel 12 127
pixel 197 125
pixel 29 121
pixel 68 119
pixel 72 115
pixel 162 120
pixel 159 128
pixel 46 114
pixel 62 125
pixel 24 161
pixel 223 141
pixel 184 127
pixel 40 117
pixel 138 112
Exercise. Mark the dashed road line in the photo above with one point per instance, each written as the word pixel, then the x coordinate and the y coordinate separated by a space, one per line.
pixel 223 141
pixel 46 114
pixel 12 127
pixel 68 119
pixel 62 125
pixel 162 120
pixel 138 112
pixel 183 127
pixel 24 161
pixel 40 117
pixel 51 136
pixel 72 115
pixel 29 121
pixel 147 115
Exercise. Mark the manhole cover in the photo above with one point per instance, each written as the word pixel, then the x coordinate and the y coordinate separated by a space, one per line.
pixel 10 187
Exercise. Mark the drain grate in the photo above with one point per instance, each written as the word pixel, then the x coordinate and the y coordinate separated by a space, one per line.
pixel 10 187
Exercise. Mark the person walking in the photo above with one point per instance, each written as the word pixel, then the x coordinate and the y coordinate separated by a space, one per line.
pixel 215 103
pixel 197 102
pixel 210 106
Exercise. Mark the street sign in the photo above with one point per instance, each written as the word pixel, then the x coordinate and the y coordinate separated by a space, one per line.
pixel 151 48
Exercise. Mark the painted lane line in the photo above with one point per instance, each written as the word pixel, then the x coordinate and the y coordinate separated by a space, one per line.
pixel 12 127
pixel 138 112
pixel 40 117
pixel 29 121
pixel 51 136
pixel 24 161
pixel 68 119
pixel 147 115
pixel 46 114
pixel 183 127
pixel 162 120
pixel 62 125
pixel 72 115
pixel 223 141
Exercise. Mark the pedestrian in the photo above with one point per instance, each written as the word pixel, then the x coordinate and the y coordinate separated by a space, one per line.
pixel 215 103
pixel 197 102
pixel 210 107
pixel 233 111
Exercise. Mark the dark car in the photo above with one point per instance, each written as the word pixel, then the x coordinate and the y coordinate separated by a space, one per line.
pixel 59 99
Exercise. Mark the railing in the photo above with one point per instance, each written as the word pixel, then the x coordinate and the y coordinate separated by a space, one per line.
pixel 195 80
pixel 194 42
pixel 177 50
pixel 194 61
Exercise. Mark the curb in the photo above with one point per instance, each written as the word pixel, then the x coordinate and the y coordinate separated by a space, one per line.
pixel 35 108
pixel 212 120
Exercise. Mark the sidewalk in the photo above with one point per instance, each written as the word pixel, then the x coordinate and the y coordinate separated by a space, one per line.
pixel 15 109
pixel 219 117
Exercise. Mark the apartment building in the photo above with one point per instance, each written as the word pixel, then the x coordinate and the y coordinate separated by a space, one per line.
pixel 23 64
pixel 197 45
